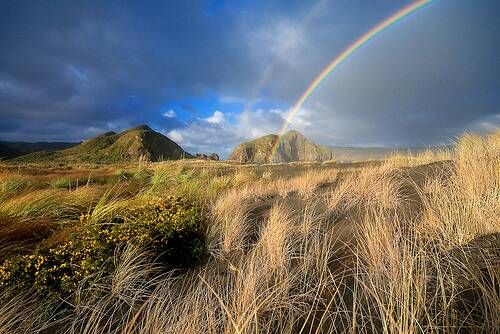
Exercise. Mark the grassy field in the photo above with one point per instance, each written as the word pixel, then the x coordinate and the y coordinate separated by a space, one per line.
pixel 406 245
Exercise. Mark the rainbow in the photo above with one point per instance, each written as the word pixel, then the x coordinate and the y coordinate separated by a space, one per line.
pixel 394 18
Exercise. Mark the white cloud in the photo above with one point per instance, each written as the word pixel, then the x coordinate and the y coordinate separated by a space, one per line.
pixel 255 123
pixel 215 134
pixel 176 136
pixel 169 113
pixel 217 118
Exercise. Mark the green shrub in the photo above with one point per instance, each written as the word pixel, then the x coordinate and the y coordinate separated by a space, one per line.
pixel 170 228
pixel 56 270
pixel 160 224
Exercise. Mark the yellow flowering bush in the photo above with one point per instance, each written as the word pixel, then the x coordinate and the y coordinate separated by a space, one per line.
pixel 58 269
pixel 169 227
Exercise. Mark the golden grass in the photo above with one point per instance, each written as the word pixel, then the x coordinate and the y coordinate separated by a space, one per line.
pixel 420 158
pixel 394 247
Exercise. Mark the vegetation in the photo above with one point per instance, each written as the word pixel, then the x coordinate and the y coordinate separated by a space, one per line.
pixel 170 228
pixel 140 143
pixel 292 146
pixel 406 245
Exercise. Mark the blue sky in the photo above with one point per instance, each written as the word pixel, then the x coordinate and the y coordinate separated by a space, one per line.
pixel 210 74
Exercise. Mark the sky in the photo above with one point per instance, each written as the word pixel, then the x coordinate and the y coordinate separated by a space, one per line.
pixel 211 74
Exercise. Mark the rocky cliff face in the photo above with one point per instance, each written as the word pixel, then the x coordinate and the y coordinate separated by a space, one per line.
pixel 293 146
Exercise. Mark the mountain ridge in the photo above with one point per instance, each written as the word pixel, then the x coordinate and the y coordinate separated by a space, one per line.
pixel 133 144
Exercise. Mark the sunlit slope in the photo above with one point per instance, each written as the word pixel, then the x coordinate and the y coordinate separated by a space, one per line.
pixel 293 146
pixel 137 143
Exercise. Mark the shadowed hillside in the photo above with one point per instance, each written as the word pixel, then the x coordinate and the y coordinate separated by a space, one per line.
pixel 9 150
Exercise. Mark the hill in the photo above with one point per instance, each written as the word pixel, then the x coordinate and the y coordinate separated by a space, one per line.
pixel 9 150
pixel 293 146
pixel 136 143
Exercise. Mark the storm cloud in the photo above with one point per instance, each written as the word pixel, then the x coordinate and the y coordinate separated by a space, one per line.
pixel 69 70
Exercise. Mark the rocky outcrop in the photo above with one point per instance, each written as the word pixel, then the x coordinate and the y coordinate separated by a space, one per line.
pixel 211 156
pixel 293 146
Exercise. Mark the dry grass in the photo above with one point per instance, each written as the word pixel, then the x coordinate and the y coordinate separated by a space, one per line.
pixel 387 248
pixel 420 158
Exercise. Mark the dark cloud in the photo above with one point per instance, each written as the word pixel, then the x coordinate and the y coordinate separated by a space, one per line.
pixel 79 62
pixel 69 70
pixel 433 76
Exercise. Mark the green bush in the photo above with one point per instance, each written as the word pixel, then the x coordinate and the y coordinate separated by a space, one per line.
pixel 56 270
pixel 170 228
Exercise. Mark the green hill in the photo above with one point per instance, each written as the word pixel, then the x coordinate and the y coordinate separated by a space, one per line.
pixel 134 144
pixel 293 146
